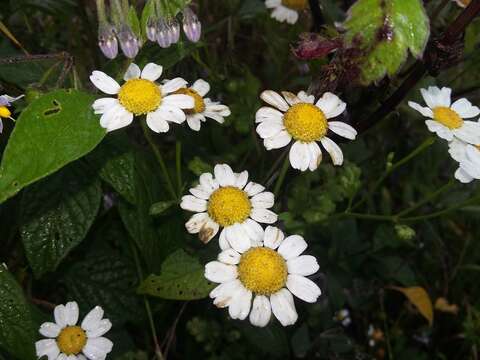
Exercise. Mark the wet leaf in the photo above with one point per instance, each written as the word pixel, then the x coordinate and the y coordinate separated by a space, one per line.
pixel 419 298
pixel 51 132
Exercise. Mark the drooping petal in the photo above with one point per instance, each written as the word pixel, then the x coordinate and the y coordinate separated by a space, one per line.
pixel 157 122
pixel 441 130
pixel 261 311
pixel 315 156
pixel 425 111
pixel 333 149
pixel 343 129
pixel 240 305
pixel 299 155
pixel 283 307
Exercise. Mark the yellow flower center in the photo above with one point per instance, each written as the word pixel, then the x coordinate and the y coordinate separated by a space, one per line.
pixel 262 271
pixel 199 106
pixel 295 4
pixel 4 112
pixel 447 117
pixel 71 340
pixel 305 122
pixel 140 96
pixel 229 205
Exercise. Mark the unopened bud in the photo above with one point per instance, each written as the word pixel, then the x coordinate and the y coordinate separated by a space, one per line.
pixel 173 30
pixel 152 29
pixel 163 36
pixel 128 42
pixel 192 27
pixel 107 41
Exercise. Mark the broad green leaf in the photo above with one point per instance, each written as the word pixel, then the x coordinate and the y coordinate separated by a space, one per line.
pixel 181 278
pixel 105 278
pixel 134 21
pixel 51 132
pixel 17 331
pixel 147 12
pixel 172 7
pixel 56 215
pixel 385 30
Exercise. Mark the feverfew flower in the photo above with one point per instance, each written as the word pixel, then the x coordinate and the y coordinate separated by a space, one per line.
pixel 204 107
pixel 269 273
pixel 228 200
pixel 468 157
pixel 447 118
pixel 304 122
pixel 5 113
pixel 140 95
pixel 286 10
pixel 68 341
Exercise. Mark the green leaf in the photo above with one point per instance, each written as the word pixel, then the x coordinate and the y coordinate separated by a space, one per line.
pixel 271 339
pixel 385 30
pixel 51 132
pixel 147 12
pixel 160 207
pixel 17 331
pixel 181 278
pixel 108 279
pixel 56 215
pixel 172 7
pixel 134 22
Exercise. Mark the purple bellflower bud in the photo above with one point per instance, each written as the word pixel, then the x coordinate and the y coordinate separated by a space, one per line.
pixel 152 29
pixel 192 27
pixel 163 36
pixel 173 30
pixel 107 41
pixel 128 41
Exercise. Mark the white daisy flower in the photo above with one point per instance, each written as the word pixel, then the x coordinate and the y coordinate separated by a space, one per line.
pixel 140 95
pixel 269 273
pixel 204 107
pixel 304 122
pixel 5 102
pixel 286 10
pixel 468 157
pixel 226 199
pixel 343 316
pixel 447 118
pixel 68 341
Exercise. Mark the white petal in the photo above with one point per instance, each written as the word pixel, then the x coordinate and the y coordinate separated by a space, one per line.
pixel 292 247
pixel 253 188
pixel 172 113
pixel 299 155
pixel 102 105
pixel 47 347
pixel 179 100
pixel 104 83
pixel 469 132
pixel 219 272
pixel 91 321
pixel 278 141
pixel 240 305
pixel 60 315
pixel 241 179
pixel 208 182
pixel 304 97
pixel 269 128
pixel 442 131
pixel 133 72
pixel 222 240
pixel 219 109
pixel 152 71
pixel 200 192
pixel 192 203
pixel 331 105
pixel 303 288
pixel 201 87
pixel 315 156
pixel 473 154
pixel 462 176
pixel 224 175
pixel 157 122
pixel 97 348
pixel 464 108
pixel 225 292
pixel 273 237
pixel 173 85
pixel 303 265
pixel 458 150
pixel 71 313
pixel 261 311
pixel 283 307
pixel 264 200
pixel 102 328
pixel 343 129
pixel 208 231
pixel 268 113
pixel 50 329
pixel 425 111
pixel 275 99
pixel 471 169
pixel 333 149
pixel 238 238
pixel 253 230
pixel 194 122
pixel 229 256
pixel 213 115
pixel 291 98
pixel 272 3
pixel 115 118
pixel 263 216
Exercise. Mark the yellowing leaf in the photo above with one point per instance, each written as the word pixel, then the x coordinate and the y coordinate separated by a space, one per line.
pixel 442 304
pixel 419 298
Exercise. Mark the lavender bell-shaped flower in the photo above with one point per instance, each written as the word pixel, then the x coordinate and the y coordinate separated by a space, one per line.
pixel 128 41
pixel 107 41
pixel 163 35
pixel 173 30
pixel 152 29
pixel 192 27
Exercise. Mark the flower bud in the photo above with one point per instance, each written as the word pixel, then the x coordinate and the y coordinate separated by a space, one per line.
pixel 107 41
pixel 173 30
pixel 152 29
pixel 128 41
pixel 192 27
pixel 163 36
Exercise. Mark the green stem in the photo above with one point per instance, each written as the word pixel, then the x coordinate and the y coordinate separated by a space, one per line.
pixel 385 327
pixel 178 162
pixel 274 166
pixel 158 155
pixel 281 177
